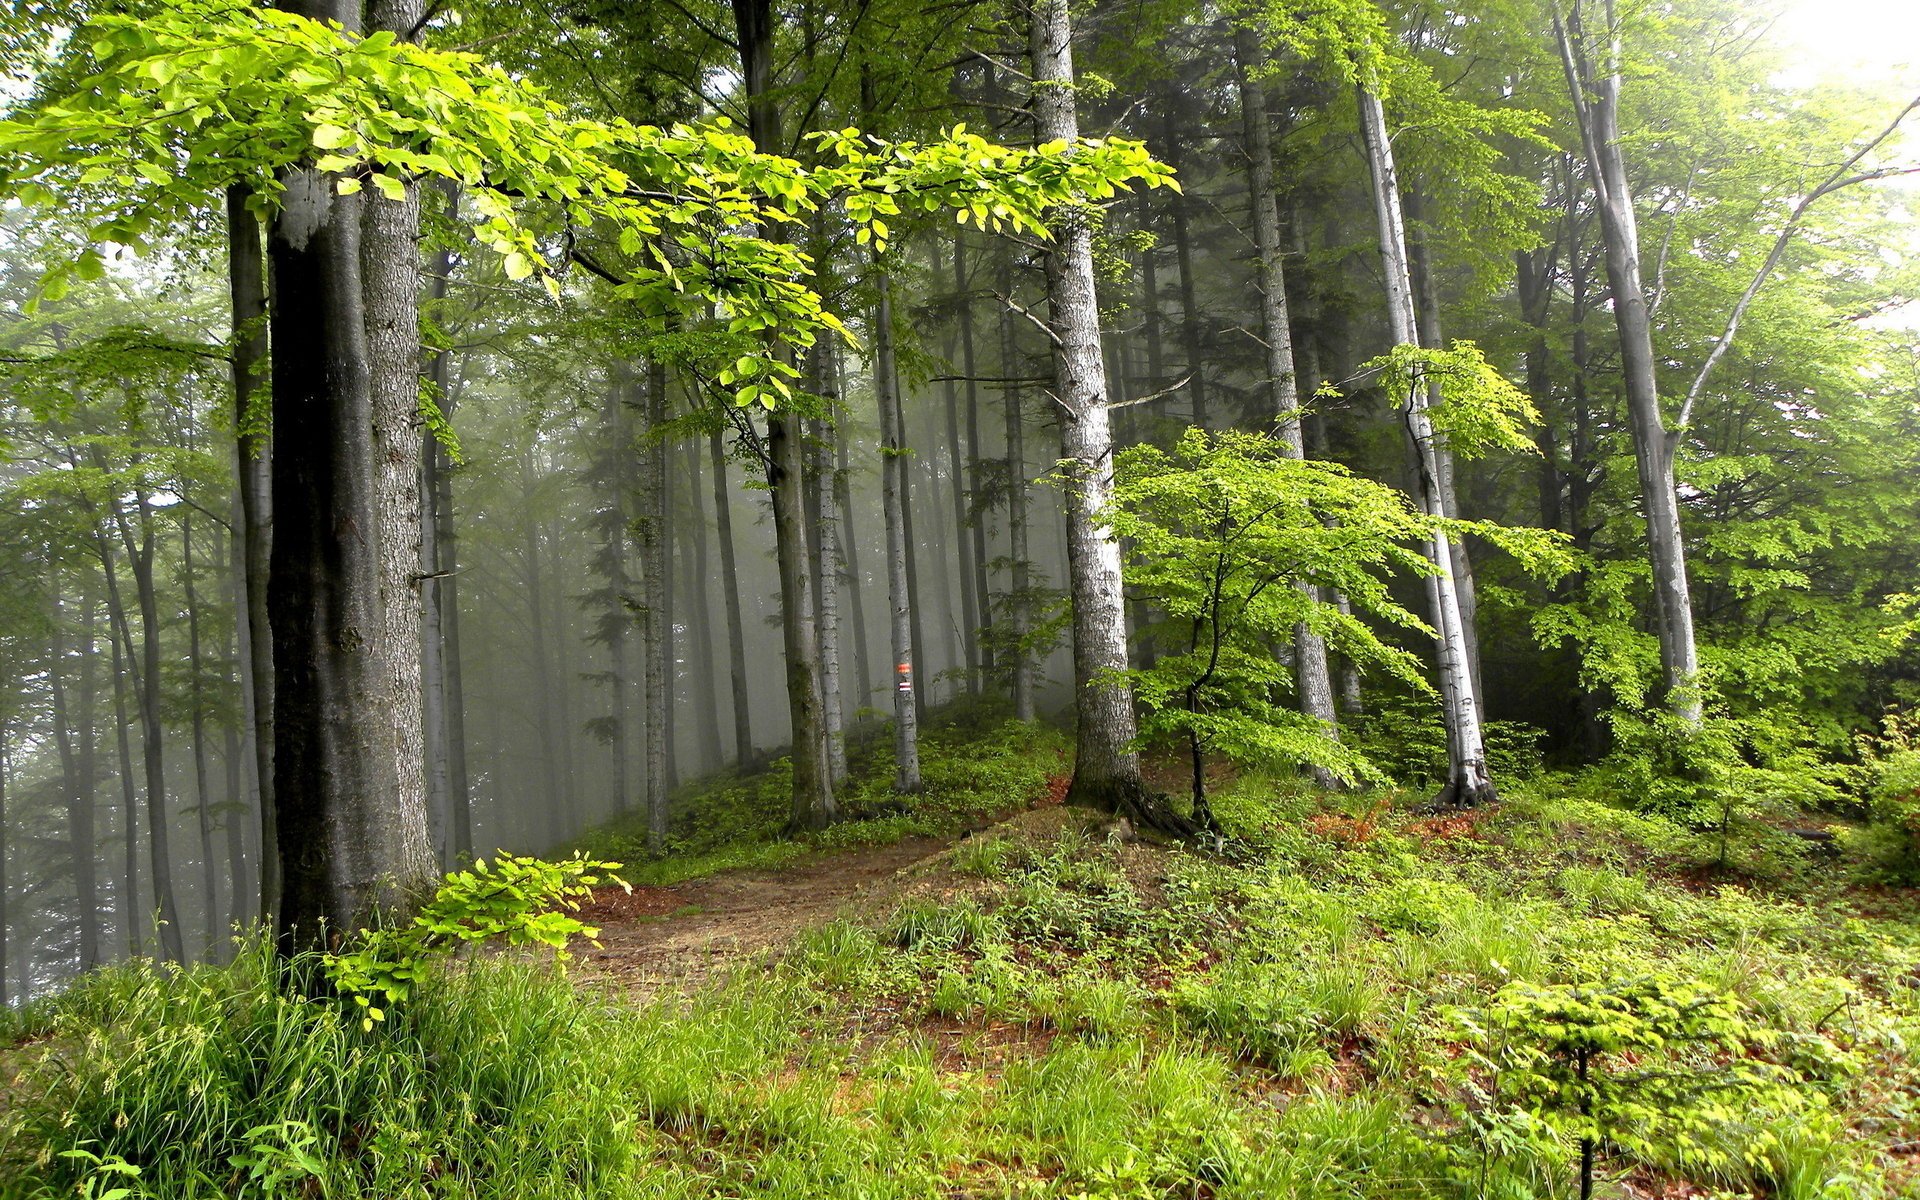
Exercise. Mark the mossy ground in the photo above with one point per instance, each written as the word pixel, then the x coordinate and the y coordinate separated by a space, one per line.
pixel 1041 1010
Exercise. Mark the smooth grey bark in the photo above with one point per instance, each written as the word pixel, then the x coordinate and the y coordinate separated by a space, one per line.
pixel 1019 621
pixel 1106 769
pixel 1596 104
pixel 1468 779
pixel 84 829
pixel 253 423
pixel 541 654
pixel 968 650
pixel 1427 302
pixel 743 751
pixel 1311 678
pixel 445 597
pixel 893 504
pixel 619 454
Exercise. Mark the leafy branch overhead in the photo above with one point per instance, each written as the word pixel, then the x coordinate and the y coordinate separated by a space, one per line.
pixel 165 111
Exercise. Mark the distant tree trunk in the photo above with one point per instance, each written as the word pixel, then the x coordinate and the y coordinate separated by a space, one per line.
pixel 1468 779
pixel 84 830
pixel 6 770
pixel 253 423
pixel 978 637
pixel 894 506
pixel 850 572
pixel 78 790
pixel 743 750
pixel 353 836
pixel 243 900
pixel 1190 320
pixel 147 690
pixel 963 583
pixel 1106 771
pixel 1019 583
pixel 196 699
pixel 620 452
pixel 706 696
pixel 1597 110
pixel 1311 678
pixel 132 912
pixel 542 654
pixel 656 561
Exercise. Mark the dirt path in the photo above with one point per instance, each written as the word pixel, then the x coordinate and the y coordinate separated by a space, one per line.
pixel 683 934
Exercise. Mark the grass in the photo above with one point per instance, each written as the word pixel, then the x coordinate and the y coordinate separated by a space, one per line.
pixel 1048 1014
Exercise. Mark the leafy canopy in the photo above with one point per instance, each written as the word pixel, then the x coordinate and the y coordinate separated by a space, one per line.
pixel 160 112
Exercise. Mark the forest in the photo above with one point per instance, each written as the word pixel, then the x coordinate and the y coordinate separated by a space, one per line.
pixel 985 598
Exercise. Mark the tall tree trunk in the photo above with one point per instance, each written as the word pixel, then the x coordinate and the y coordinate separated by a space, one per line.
pixel 978 637
pixel 542 655
pixel 353 837
pixel 894 506
pixel 253 423
pixel 78 791
pixel 147 691
pixel 968 650
pixel 196 698
pixel 390 278
pixel 1311 678
pixel 84 828
pixel 1106 769
pixel 6 771
pixel 656 561
pixel 132 912
pixel 706 696
pixel 1468 779
pixel 813 804
pixel 243 898
pixel 446 601
pixel 621 453
pixel 1597 108
pixel 823 381
pixel 1019 583
pixel 743 751
pixel 1427 298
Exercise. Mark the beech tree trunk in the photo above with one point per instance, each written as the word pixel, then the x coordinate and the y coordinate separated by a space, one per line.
pixel 1596 102
pixel 1311 679
pixel 353 835
pixel 78 790
pixel 197 702
pixel 1189 300
pixel 743 751
pixel 1106 769
pixel 706 696
pixel 893 503
pixel 823 381
pixel 1468 779
pixel 849 544
pixel 133 913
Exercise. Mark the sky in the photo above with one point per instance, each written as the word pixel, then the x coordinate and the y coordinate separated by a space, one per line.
pixel 1852 37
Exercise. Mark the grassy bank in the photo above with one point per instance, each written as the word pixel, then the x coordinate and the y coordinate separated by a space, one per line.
pixel 1336 1008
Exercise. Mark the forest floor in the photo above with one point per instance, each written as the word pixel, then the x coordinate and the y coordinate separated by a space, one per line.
pixel 990 995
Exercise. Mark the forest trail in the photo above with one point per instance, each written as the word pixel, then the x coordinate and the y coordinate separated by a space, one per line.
pixel 683 934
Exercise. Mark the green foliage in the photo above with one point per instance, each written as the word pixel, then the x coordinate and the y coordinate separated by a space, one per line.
pixel 166 108
pixel 513 899
pixel 1654 1066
